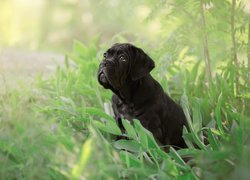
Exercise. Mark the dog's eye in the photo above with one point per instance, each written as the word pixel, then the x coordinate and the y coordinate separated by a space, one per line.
pixel 122 58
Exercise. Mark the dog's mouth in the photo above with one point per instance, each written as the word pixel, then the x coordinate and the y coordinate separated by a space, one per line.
pixel 106 82
pixel 103 78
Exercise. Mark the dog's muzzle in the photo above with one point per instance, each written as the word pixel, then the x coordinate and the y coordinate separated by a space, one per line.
pixel 102 78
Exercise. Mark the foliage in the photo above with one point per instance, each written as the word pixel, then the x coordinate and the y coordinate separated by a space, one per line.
pixel 64 129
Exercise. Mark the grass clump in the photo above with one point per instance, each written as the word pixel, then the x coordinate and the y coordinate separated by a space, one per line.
pixel 62 127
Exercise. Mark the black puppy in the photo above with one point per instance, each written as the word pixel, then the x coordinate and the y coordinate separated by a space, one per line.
pixel 125 70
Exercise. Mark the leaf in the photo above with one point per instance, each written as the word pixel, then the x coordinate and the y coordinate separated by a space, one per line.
pixel 212 140
pixel 196 139
pixel 197 118
pixel 129 129
pixel 215 131
pixel 129 159
pixel 98 112
pixel 188 152
pixel 194 71
pixel 79 48
pixel 187 138
pixel 170 167
pixel 218 115
pixel 186 109
pixel 108 109
pixel 84 158
pixel 129 145
pixel 145 137
pixel 110 127
pixel 177 157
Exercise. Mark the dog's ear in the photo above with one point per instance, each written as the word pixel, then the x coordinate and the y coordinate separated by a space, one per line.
pixel 141 65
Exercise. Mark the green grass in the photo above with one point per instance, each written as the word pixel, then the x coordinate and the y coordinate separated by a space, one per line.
pixel 61 127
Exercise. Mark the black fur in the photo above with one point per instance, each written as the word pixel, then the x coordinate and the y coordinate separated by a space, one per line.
pixel 137 95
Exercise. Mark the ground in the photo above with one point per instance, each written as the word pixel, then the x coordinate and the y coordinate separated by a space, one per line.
pixel 16 65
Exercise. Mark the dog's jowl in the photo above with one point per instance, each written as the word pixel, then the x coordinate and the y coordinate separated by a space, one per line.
pixel 125 70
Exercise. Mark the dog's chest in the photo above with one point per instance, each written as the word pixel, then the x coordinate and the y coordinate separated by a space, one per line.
pixel 126 111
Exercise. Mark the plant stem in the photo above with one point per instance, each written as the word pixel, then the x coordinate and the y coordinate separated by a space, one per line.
pixel 46 21
pixel 234 48
pixel 248 50
pixel 205 44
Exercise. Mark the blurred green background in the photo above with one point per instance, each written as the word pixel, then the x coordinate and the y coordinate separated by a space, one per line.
pixel 39 33
pixel 53 25
pixel 55 119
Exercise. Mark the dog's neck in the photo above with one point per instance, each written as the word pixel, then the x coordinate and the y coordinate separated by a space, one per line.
pixel 125 92
pixel 136 91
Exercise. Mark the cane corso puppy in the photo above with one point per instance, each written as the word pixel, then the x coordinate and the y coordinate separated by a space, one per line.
pixel 125 70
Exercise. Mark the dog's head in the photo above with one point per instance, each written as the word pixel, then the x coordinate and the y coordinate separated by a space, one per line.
pixel 122 63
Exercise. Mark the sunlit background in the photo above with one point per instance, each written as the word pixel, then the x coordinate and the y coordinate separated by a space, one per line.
pixel 53 25
pixel 36 34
